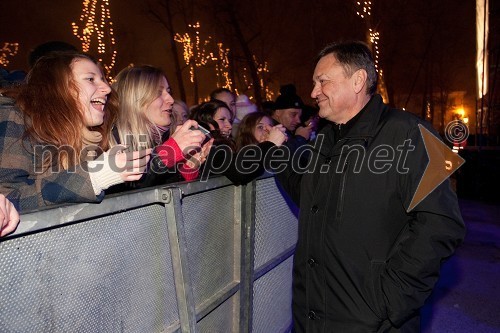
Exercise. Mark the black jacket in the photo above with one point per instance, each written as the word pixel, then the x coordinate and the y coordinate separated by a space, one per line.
pixel 362 262
pixel 239 167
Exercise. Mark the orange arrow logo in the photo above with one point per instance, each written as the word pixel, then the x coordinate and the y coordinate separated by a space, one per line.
pixel 442 163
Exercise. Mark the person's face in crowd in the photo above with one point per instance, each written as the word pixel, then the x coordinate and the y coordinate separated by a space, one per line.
pixel 261 131
pixel 223 118
pixel 333 91
pixel 230 100
pixel 160 109
pixel 92 90
pixel 181 114
pixel 290 118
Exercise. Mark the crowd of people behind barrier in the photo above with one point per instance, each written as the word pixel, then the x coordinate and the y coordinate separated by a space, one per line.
pixel 365 261
pixel 69 136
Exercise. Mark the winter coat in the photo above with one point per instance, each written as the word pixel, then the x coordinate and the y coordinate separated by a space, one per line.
pixel 363 263
pixel 21 176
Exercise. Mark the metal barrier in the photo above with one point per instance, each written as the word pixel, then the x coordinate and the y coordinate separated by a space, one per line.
pixel 190 257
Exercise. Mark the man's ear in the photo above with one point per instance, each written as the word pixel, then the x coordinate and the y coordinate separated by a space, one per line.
pixel 359 80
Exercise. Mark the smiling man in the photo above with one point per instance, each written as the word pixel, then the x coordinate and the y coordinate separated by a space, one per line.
pixel 363 262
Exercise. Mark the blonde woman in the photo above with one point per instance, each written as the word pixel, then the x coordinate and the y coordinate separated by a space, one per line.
pixel 144 120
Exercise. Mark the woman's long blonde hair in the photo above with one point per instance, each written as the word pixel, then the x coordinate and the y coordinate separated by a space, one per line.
pixel 137 88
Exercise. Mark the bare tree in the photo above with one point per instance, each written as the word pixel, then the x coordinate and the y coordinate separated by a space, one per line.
pixel 164 11
pixel 226 13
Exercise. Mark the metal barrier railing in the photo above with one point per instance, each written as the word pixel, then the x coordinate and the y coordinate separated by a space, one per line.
pixel 188 257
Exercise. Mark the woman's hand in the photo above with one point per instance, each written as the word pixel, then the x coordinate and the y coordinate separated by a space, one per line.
pixel 9 217
pixel 197 159
pixel 188 139
pixel 277 134
pixel 131 165
pixel 117 166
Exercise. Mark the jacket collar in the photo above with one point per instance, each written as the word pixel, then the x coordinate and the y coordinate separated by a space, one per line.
pixel 368 122
pixel 364 128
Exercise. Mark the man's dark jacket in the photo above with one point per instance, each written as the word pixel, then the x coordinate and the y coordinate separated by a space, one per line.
pixel 362 262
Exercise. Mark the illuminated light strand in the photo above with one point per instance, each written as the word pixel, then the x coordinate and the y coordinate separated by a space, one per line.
pixel 92 28
pixel 428 110
pixel 8 50
pixel 195 52
pixel 374 38
pixel 262 71
pixel 222 67
pixel 365 8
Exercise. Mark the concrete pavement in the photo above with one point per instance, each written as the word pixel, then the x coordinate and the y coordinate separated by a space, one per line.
pixel 467 296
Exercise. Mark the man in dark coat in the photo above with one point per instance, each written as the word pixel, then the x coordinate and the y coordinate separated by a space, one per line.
pixel 364 261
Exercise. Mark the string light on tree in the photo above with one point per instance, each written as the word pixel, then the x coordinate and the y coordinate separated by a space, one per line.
pixel 8 50
pixel 263 73
pixel 222 67
pixel 263 76
pixel 374 38
pixel 428 110
pixel 195 52
pixel 96 25
pixel 365 11
pixel 365 8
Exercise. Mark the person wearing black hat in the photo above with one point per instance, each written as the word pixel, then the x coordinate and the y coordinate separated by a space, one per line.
pixel 287 111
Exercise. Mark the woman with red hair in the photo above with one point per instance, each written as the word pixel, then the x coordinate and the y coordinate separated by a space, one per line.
pixel 53 127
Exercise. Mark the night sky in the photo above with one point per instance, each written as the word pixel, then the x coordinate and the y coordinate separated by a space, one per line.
pixel 421 41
